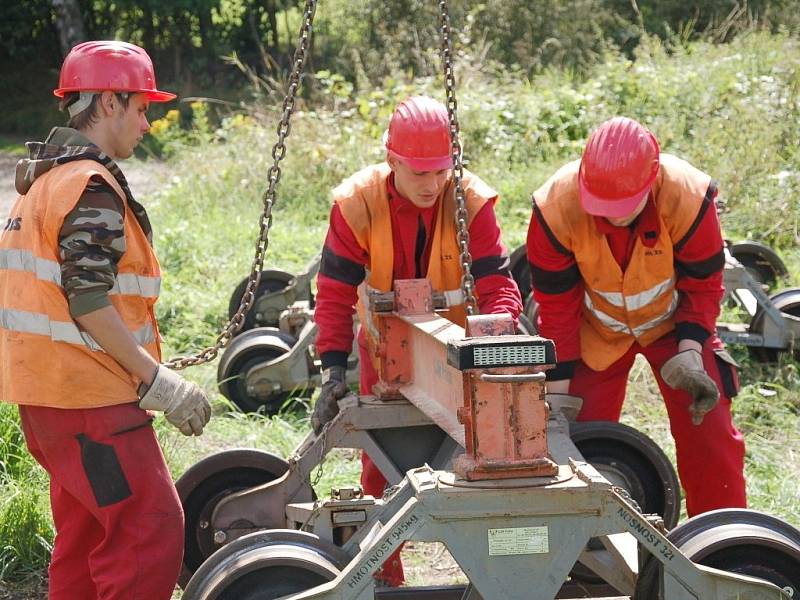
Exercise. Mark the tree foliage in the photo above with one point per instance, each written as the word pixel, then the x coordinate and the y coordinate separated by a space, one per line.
pixel 364 41
pixel 187 36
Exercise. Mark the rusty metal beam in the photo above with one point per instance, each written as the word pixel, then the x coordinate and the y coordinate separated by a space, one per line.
pixel 484 390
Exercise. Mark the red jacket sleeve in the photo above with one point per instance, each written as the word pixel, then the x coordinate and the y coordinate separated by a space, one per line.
pixel 558 290
pixel 497 290
pixel 699 260
pixel 341 271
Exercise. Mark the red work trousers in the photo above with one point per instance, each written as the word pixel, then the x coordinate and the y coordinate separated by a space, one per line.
pixel 710 455
pixel 372 480
pixel 119 522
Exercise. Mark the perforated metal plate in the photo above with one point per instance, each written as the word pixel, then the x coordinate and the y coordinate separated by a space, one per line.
pixel 491 356
pixel 500 351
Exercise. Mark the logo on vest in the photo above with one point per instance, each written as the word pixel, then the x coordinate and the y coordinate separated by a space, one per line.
pixel 14 224
pixel 447 256
pixel 653 252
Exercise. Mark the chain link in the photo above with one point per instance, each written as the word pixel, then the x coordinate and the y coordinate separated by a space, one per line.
pixel 467 280
pixel 265 221
pixel 274 175
pixel 323 455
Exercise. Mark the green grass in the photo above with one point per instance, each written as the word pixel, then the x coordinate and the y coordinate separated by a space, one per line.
pixel 732 110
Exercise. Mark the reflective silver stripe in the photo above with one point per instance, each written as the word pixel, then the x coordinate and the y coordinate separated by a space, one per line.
pixel 658 320
pixel 128 284
pixel 145 334
pixel 24 260
pixel 604 318
pixel 620 327
pixel 644 298
pixel 61 331
pixel 66 331
pixel 136 285
pixel 636 301
pixel 613 298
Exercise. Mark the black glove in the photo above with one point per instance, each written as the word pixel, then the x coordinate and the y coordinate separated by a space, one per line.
pixel 327 406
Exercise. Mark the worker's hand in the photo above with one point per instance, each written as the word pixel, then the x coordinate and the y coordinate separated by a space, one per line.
pixel 685 371
pixel 183 403
pixel 567 404
pixel 327 406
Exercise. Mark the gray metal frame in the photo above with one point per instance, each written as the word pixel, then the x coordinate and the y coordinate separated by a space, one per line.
pixel 779 329
pixel 518 540
pixel 360 420
pixel 616 562
pixel 544 524
pixel 576 505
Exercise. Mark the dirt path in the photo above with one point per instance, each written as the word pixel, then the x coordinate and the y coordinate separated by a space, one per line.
pixel 143 177
pixel 7 193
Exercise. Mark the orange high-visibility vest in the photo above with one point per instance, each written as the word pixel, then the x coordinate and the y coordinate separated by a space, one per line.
pixel 364 202
pixel 45 357
pixel 640 303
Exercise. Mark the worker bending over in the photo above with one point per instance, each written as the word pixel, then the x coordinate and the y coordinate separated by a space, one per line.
pixel 626 258
pixel 396 220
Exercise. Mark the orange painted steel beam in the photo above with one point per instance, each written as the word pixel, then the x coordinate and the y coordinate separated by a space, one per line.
pixel 497 413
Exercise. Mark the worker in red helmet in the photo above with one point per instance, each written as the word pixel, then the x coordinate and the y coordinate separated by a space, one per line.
pixel 626 258
pixel 396 220
pixel 79 343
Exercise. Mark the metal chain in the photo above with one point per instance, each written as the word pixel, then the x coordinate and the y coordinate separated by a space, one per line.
pixel 274 175
pixel 323 438
pixel 467 280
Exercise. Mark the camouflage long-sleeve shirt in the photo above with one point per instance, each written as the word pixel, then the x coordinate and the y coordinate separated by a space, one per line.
pixel 92 237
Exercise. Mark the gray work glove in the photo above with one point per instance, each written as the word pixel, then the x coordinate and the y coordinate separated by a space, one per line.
pixel 567 404
pixel 183 403
pixel 327 406
pixel 685 371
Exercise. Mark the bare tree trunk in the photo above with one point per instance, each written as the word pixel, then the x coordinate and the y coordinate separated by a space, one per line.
pixel 272 18
pixel 69 23
pixel 255 33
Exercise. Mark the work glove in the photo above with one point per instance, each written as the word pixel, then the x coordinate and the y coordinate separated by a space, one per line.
pixel 183 403
pixel 685 371
pixel 327 406
pixel 567 404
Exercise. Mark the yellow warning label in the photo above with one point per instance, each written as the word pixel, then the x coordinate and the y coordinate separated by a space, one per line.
pixel 518 540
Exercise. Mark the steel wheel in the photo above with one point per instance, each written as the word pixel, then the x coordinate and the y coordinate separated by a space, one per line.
pixel 266 565
pixel 761 261
pixel 630 459
pixel 207 482
pixel 741 541
pixel 787 301
pixel 246 351
pixel 272 280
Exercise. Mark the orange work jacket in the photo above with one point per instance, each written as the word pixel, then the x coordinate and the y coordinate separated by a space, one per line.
pixel 45 357
pixel 638 304
pixel 364 203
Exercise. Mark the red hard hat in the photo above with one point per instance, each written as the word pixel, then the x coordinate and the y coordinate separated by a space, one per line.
pixel 109 65
pixel 419 134
pixel 619 165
